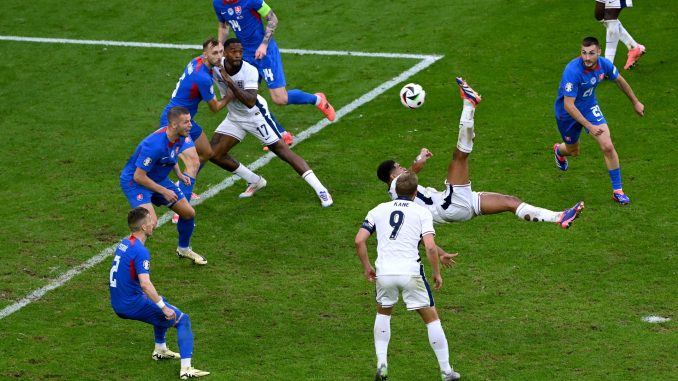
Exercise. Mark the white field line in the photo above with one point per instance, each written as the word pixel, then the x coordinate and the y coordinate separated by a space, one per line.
pixel 62 279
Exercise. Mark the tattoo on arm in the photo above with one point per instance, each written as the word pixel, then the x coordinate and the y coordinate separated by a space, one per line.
pixel 271 24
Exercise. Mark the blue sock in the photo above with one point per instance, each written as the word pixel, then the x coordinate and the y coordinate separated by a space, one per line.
pixel 185 337
pixel 278 126
pixel 159 334
pixel 298 97
pixel 185 229
pixel 615 177
pixel 187 189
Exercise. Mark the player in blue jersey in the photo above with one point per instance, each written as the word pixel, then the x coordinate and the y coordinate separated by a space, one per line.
pixel 195 86
pixel 607 12
pixel 261 50
pixel 145 178
pixel 134 297
pixel 576 108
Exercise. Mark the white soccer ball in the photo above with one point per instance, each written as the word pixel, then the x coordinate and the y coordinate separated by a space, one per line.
pixel 412 95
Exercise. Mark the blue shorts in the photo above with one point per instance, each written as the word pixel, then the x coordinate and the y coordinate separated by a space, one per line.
pixel 196 130
pixel 570 129
pixel 150 313
pixel 138 195
pixel 270 68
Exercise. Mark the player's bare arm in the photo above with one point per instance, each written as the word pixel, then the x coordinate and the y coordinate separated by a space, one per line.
pixel 447 259
pixel 180 175
pixel 222 33
pixel 361 251
pixel 141 178
pixel 626 89
pixel 149 290
pixel 271 24
pixel 247 97
pixel 577 115
pixel 432 255
pixel 420 161
pixel 215 105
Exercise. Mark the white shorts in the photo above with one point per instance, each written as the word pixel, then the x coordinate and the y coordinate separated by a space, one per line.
pixel 459 203
pixel 259 124
pixel 617 4
pixel 415 289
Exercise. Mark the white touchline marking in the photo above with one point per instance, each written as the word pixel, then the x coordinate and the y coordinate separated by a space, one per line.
pixel 656 319
pixel 426 61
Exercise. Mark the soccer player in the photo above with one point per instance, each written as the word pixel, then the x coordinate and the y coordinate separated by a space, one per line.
pixel 261 50
pixel 248 113
pixel 134 297
pixel 400 225
pixel 607 12
pixel 576 108
pixel 145 178
pixel 458 202
pixel 193 87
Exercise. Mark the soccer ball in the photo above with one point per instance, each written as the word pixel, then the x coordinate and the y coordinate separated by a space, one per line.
pixel 412 95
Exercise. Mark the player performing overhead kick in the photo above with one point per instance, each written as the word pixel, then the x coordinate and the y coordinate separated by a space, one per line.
pixel 458 202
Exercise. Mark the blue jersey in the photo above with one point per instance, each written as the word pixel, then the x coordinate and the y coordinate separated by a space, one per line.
pixel 156 155
pixel 131 259
pixel 581 83
pixel 194 86
pixel 246 23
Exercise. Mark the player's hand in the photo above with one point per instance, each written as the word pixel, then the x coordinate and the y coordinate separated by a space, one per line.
pixel 184 179
pixel 447 259
pixel 169 313
pixel 424 154
pixel 595 130
pixel 169 195
pixel 370 274
pixel 261 51
pixel 640 108
pixel 437 281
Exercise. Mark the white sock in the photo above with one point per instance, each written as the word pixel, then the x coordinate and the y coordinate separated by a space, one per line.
pixel 612 38
pixel 529 212
pixel 382 335
pixel 246 174
pixel 466 132
pixel 436 337
pixel 313 181
pixel 186 363
pixel 161 346
pixel 626 38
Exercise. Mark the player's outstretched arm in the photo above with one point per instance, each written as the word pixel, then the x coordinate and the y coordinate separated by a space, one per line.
pixel 149 290
pixel 432 255
pixel 626 89
pixel 361 251
pixel 420 161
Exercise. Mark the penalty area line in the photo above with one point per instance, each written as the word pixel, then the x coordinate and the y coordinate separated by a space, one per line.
pixel 62 279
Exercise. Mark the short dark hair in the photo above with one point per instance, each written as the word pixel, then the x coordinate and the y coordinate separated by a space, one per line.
pixel 176 111
pixel 384 171
pixel 406 184
pixel 211 41
pixel 589 41
pixel 230 41
pixel 136 217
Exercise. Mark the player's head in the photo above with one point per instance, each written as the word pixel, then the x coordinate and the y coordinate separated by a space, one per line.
pixel 179 119
pixel 233 52
pixel 139 220
pixel 212 51
pixel 590 50
pixel 388 170
pixel 406 185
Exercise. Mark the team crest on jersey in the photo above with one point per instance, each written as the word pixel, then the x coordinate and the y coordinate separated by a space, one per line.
pixel 230 11
pixel 172 154
pixel 238 10
pixel 568 87
pixel 241 84
pixel 147 265
pixel 140 197
pixel 593 80
pixel 147 161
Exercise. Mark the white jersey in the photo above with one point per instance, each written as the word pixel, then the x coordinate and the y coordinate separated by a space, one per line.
pixel 399 224
pixel 247 78
pixel 429 198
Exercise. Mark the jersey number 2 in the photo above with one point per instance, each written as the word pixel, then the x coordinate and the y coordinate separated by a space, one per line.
pixel 116 262
pixel 396 222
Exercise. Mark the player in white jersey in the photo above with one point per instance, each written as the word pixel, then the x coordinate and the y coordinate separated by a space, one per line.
pixel 400 226
pixel 248 112
pixel 607 12
pixel 458 202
